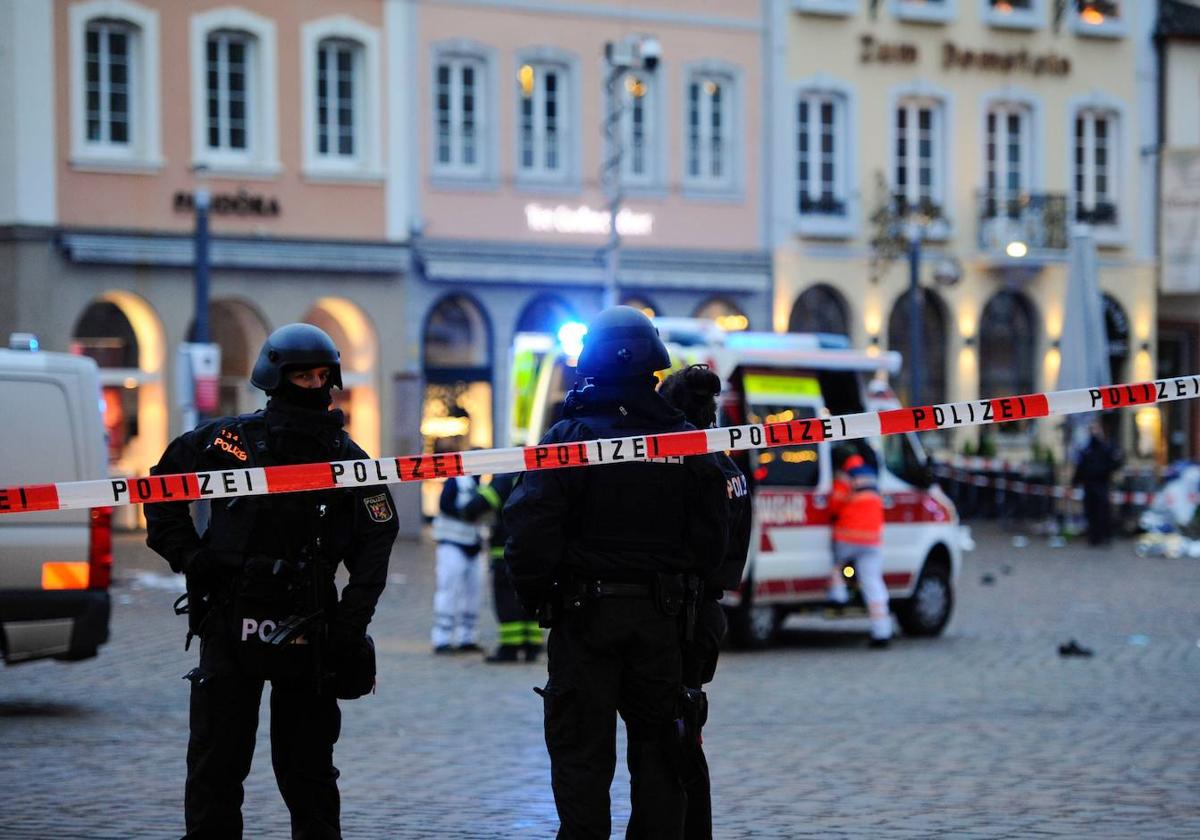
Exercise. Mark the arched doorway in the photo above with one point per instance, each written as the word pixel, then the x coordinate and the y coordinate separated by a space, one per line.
pixel 725 314
pixel 123 333
pixel 355 336
pixel 236 326
pixel 933 346
pixel 1007 343
pixel 820 309
pixel 457 363
pixel 545 314
pixel 643 305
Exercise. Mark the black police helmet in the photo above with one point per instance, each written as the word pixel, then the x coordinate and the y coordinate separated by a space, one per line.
pixel 620 343
pixel 299 347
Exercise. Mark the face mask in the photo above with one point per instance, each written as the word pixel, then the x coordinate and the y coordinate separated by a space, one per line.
pixel 314 399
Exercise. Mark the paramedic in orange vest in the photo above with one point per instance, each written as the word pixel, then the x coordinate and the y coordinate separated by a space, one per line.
pixel 857 513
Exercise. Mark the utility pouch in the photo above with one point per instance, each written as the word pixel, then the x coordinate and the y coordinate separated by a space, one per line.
pixel 693 713
pixel 669 594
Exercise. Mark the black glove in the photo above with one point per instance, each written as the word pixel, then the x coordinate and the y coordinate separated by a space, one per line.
pixel 198 568
pixel 353 661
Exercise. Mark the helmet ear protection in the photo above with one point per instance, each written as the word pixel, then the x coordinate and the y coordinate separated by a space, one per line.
pixel 622 342
pixel 295 346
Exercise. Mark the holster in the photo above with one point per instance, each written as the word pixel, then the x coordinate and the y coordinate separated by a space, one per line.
pixel 670 593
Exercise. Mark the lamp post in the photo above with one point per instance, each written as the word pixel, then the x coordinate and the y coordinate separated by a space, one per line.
pixel 627 55
pixel 200 204
pixel 916 328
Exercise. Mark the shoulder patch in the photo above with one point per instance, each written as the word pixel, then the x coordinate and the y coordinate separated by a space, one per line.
pixel 229 442
pixel 379 508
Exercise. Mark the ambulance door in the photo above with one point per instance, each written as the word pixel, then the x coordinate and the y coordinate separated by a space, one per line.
pixel 911 515
pixel 791 486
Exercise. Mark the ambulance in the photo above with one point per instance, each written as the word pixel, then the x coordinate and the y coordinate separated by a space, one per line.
pixel 772 377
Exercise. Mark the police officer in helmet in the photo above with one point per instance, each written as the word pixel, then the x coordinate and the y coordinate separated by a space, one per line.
pixel 611 558
pixel 262 596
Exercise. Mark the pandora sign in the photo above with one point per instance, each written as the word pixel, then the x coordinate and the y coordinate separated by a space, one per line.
pixel 541 218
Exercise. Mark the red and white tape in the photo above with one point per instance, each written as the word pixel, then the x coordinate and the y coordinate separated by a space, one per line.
pixel 254 481
pixel 1025 488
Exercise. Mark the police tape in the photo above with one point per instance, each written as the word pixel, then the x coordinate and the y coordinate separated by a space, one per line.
pixel 367 472
pixel 1019 487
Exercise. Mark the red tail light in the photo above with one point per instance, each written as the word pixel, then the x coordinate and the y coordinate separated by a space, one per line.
pixel 100 548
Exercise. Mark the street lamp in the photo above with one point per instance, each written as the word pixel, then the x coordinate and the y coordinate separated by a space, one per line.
pixel 916 230
pixel 634 53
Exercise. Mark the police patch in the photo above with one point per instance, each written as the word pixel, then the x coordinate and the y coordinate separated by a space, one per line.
pixel 379 508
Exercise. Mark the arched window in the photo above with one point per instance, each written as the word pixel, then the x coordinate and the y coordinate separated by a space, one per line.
pixel 646 307
pixel 726 315
pixel 239 330
pixel 545 314
pixel 822 309
pixel 457 363
pixel 1007 342
pixel 355 336
pixel 933 347
pixel 1116 331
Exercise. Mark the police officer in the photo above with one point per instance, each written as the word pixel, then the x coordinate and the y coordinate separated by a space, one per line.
pixel 607 556
pixel 693 390
pixel 262 596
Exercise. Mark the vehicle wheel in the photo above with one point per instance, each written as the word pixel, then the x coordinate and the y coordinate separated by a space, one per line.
pixel 929 608
pixel 753 626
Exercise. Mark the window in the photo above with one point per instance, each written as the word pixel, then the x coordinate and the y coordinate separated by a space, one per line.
pixel 227 96
pixel 234 92
pixel 340 91
pixel 709 125
pixel 1014 14
pixel 1103 18
pixel 725 314
pixel 114 77
pixel 639 129
pixel 839 8
pixel 1007 160
pixel 458 92
pixel 919 156
pixel 924 11
pixel 108 75
pixel 337 63
pixel 820 155
pixel 542 120
pixel 1094 158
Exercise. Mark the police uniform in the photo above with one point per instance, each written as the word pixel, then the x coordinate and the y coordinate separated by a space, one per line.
pixel 518 628
pixel 700 655
pixel 260 571
pixel 605 553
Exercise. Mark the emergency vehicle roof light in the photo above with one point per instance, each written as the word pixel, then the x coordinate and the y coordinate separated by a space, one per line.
pixel 23 341
pixel 570 337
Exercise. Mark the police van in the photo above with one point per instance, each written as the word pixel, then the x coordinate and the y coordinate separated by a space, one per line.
pixel 768 378
pixel 55 566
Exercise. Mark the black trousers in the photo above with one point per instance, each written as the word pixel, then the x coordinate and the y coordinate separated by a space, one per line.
pixel 1097 509
pixel 615 656
pixel 305 725
pixel 699 665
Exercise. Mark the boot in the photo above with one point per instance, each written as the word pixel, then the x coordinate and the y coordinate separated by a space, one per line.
pixel 503 653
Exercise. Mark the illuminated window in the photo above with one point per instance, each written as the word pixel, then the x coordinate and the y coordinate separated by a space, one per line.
pixel 919 156
pixel 542 119
pixel 724 314
pixel 1095 167
pixel 820 309
pixel 639 129
pixel 709 159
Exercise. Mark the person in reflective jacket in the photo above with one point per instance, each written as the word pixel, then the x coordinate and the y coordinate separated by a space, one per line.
pixel 693 390
pixel 611 558
pixel 856 509
pixel 262 595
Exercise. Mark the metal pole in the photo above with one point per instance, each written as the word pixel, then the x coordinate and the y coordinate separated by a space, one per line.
pixel 200 271
pixel 610 176
pixel 914 319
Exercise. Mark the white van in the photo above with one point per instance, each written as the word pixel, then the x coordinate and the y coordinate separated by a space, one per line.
pixel 771 377
pixel 55 566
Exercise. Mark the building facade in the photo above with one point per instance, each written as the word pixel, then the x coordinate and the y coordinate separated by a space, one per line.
pixel 1178 42
pixel 992 128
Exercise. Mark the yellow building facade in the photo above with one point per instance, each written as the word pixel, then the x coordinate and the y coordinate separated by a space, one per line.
pixel 999 128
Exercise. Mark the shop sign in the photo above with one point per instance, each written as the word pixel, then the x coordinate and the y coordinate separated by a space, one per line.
pixel 240 203
pixel 957 57
pixel 541 218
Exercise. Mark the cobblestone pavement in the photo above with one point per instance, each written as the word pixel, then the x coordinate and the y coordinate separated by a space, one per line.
pixel 985 732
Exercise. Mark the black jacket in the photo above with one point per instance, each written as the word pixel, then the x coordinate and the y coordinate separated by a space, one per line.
pixel 728 575
pixel 616 521
pixel 358 528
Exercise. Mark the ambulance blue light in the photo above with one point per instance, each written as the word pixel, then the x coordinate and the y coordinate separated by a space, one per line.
pixel 570 337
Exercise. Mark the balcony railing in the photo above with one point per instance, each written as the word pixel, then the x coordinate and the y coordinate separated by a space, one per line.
pixel 1037 219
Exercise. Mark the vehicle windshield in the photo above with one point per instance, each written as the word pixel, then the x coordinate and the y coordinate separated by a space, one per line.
pixel 785 466
pixel 905 459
